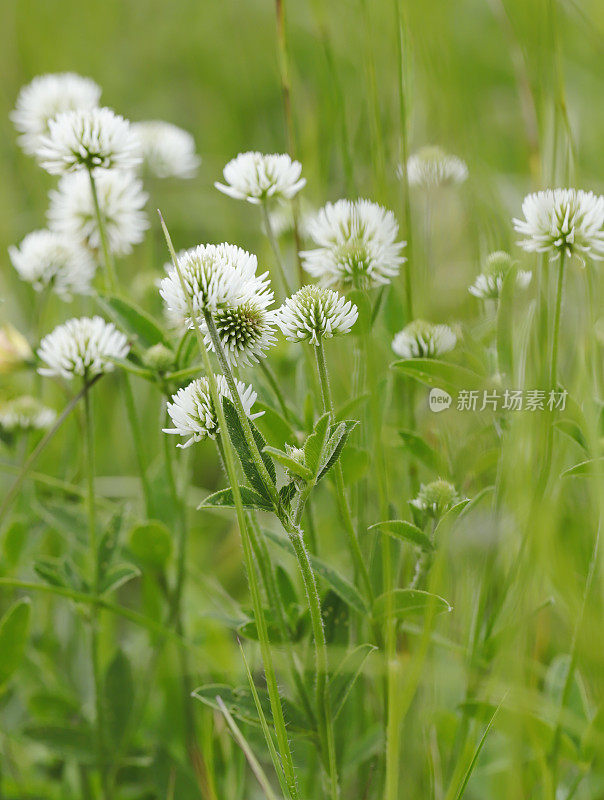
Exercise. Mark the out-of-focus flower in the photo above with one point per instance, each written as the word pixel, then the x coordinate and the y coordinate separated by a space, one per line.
pixel 421 339
pixel 435 499
pixel 121 201
pixel 168 151
pixel 85 139
pixel 255 177
pixel 192 411
pixel 222 280
pixel 315 312
pixel 48 259
pixel 568 221
pixel 431 167
pixel 15 351
pixel 489 283
pixel 357 247
pixel 83 346
pixel 282 219
pixel 159 358
pixel 44 98
pixel 24 414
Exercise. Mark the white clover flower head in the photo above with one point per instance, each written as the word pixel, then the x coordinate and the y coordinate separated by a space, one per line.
pixel 168 151
pixel 489 283
pixel 568 221
pixel 86 139
pixel 357 247
pixel 313 313
pixel 45 97
pixel 82 346
pixel 121 200
pixel 192 411
pixel 256 177
pixel 24 414
pixel 431 167
pixel 221 280
pixel 49 259
pixel 436 498
pixel 421 339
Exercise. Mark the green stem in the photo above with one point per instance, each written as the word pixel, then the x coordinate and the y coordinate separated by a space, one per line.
pixel 271 679
pixel 94 617
pixel 110 276
pixel 275 248
pixel 553 376
pixel 353 542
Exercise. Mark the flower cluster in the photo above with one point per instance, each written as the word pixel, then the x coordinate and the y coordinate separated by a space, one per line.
pixel 357 245
pixel 84 346
pixel 49 259
pixel 431 167
pixel 489 283
pixel 192 411
pixel 167 151
pixel 256 177
pixel 434 499
pixel 24 414
pixel 313 313
pixel 563 221
pixel 421 339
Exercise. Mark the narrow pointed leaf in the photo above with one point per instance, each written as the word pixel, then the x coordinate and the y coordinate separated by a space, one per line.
pixel 404 531
pixel 224 499
pixel 408 601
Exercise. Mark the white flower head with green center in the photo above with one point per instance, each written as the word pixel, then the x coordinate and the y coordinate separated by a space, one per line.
pixel 314 313
pixel 221 279
pixel 82 346
pixel 168 151
pixel 192 411
pixel 357 245
pixel 45 97
pixel 568 221
pixel 435 499
pixel 85 139
pixel 489 283
pixel 256 177
pixel 421 339
pixel 23 414
pixel 432 167
pixel 49 259
pixel 121 200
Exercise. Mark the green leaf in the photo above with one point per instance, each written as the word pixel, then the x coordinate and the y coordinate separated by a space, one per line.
pixel 440 374
pixel 134 321
pixel 505 325
pixel 67 742
pixel 287 494
pixel 447 520
pixel 313 446
pixel 240 445
pixel 151 543
pixel 408 601
pixel 334 446
pixel 224 499
pixel 345 411
pixel 289 463
pixel 273 425
pixel 419 448
pixel 592 466
pixel 118 698
pixel 340 585
pixel 117 576
pixel 404 531
pixel 14 632
pixel 573 430
pixel 346 675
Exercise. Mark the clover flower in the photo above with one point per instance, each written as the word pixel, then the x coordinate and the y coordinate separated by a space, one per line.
pixel 568 221
pixel 24 414
pixel 489 283
pixel 255 177
pixel 85 139
pixel 421 339
pixel 83 346
pixel 46 258
pixel 192 411
pixel 431 167
pixel 357 247
pixel 44 98
pixel 15 351
pixel 168 151
pixel 435 499
pixel 121 200
pixel 313 313
pixel 222 280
